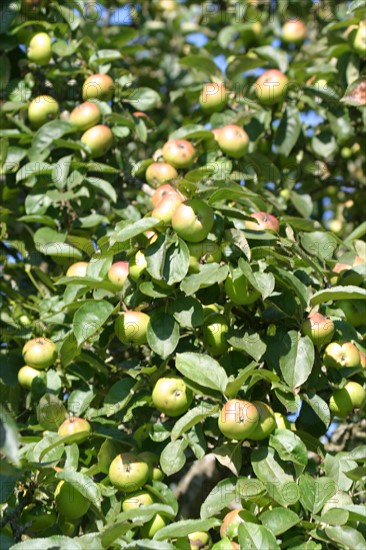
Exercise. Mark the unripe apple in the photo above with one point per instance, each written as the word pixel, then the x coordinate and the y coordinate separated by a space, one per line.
pixel 354 310
pixel 226 544
pixel 75 426
pixel 319 328
pixel 128 472
pixel 131 327
pixel 344 400
pixel 27 376
pixel 39 353
pixel 193 220
pixel 99 139
pixel 238 419
pixel 358 39
pixel 118 273
pixel 213 97
pixel 204 252
pixel 232 520
pixel 137 500
pixel 40 518
pixel 171 396
pixel 233 141
pixel 199 540
pixel 214 334
pixel 282 422
pixel 162 191
pixel 265 222
pixel 239 290
pixel 339 500
pixel 294 31
pixel 216 133
pixel 137 266
pixel 362 359
pixel 78 269
pixel 270 87
pixel 70 503
pixel 160 172
pixel 98 86
pixel 180 153
pixel 41 110
pixel 85 116
pixel 152 460
pixel 266 423
pixel 149 529
pixel 341 354
pixel 40 48
pixel 167 206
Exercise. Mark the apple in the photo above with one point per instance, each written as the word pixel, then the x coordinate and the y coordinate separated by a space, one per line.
pixel 294 31
pixel 152 460
pixel 199 540
pixel 213 97
pixel 70 503
pixel 27 376
pixel 339 500
pixel 266 423
pixel 354 311
pixel 203 252
pixel 225 544
pixel 214 334
pixel 193 220
pixel 98 86
pixel 40 48
pixel 362 359
pixel 171 396
pixel 128 472
pixel 75 426
pixel 238 419
pixel 358 39
pixel 39 353
pixel 232 520
pixel 137 500
pixel 344 400
pixel 137 266
pixel 131 327
pixel 265 222
pixel 160 172
pixel 85 116
pixel 149 529
pixel 42 109
pixel 341 354
pixel 78 269
pixel 99 139
pixel 233 141
pixel 281 422
pixel 163 191
pixel 167 206
pixel 216 133
pixel 39 517
pixel 319 328
pixel 239 290
pixel 118 273
pixel 180 153
pixel 270 87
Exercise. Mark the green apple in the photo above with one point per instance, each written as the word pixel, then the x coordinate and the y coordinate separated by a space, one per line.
pixel 199 540
pixel 239 290
pixel 152 460
pixel 180 153
pixel 40 48
pixel 344 400
pixel 85 116
pixel 193 220
pixel 128 472
pixel 75 426
pixel 39 353
pixel 41 110
pixel 238 419
pixel 341 354
pixel 131 327
pixel 354 310
pixel 204 252
pixel 319 328
pixel 281 422
pixel 232 520
pixel 171 396
pixel 233 141
pixel 294 31
pixel 149 529
pixel 270 87
pixel 214 334
pixel 160 172
pixel 225 544
pixel 28 377
pixel 99 139
pixel 39 517
pixel 70 503
pixel 118 273
pixel 167 206
pixel 264 222
pixel 137 266
pixel 358 39
pixel 213 97
pixel 339 500
pixel 98 86
pixel 137 500
pixel 266 423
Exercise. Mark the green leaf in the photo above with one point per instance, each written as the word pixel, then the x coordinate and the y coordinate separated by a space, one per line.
pixel 315 492
pixel 324 144
pixel 90 318
pixel 49 543
pixel 201 63
pixel 172 459
pixel 185 527
pixel 279 520
pixel 338 293
pixel 130 230
pixel 220 497
pixel 302 202
pixel 248 341
pixel 191 418
pixel 288 131
pixel 163 333
pixel 82 483
pixel 79 401
pixel 202 370
pixel 337 467
pixel 9 436
pixel 346 537
pixel 321 244
pixel 289 447
pixel 297 358
pixel 274 56
pixel 47 134
pixel 143 99
pixel 208 276
pixel 256 537
pixel 187 311
pixel 34 169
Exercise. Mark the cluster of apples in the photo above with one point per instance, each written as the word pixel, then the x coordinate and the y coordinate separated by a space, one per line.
pixel 240 419
pixel 38 354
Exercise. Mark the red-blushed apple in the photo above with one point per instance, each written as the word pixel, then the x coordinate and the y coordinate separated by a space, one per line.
pixel 338 355
pixel 180 153
pixel 70 503
pixel 167 206
pixel 265 222
pixel 239 290
pixel 193 220
pixel 238 419
pixel 162 191
pixel 42 109
pixel 131 327
pixel 214 334
pixel 75 426
pixel 85 116
pixel 118 273
pixel 216 133
pixel 232 520
pixel 27 376
pixel 40 48
pixel 354 311
pixel 266 423
pixel 137 500
pixel 213 97
pixel 362 359
pixel 204 252
pixel 344 400
pixel 160 172
pixel 77 269
pixel 39 353
pixel 270 87
pixel 233 140
pixel 98 86
pixel 199 540
pixel 294 31
pixel 152 460
pixel 171 396
pixel 99 139
pixel 137 266
pixel 128 472
pixel 319 328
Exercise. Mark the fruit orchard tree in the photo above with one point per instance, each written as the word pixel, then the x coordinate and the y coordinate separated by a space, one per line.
pixel 183 281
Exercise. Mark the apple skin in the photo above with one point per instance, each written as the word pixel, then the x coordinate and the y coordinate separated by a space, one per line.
pixel 193 220
pixel 343 401
pixel 180 153
pixel 128 472
pixel 238 419
pixel 137 500
pixel 267 421
pixel 75 426
pixel 98 86
pixel 40 48
pixel 78 269
pixel 39 353
pixel 167 206
pixel 160 172
pixel 171 396
pixel 358 40
pixel 213 97
pixel 99 139
pixel 232 520
pixel 163 191
pixel 225 544
pixel 131 327
pixel 28 375
pixel 338 355
pixel 270 87
pixel 265 222
pixel 214 334
pixel 233 141
pixel 40 517
pixel 294 32
pixel 199 540
pixel 354 310
pixel 319 328
pixel 282 423
pixel 203 252
pixel 137 266
pixel 155 473
pixel 239 290
pixel 42 109
pixel 149 529
pixel 118 273
pixel 85 116
pixel 70 503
